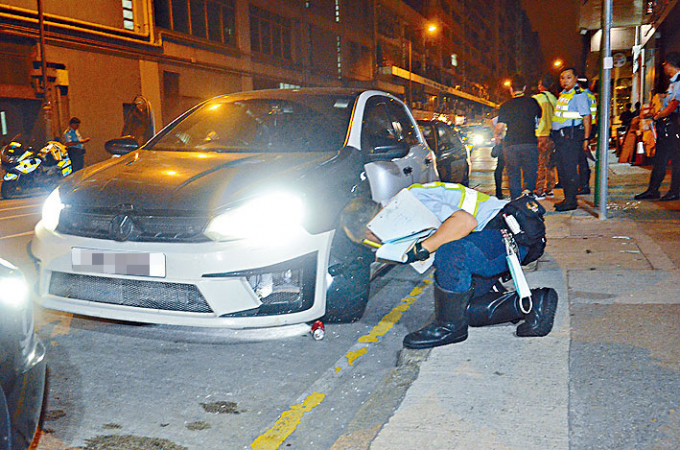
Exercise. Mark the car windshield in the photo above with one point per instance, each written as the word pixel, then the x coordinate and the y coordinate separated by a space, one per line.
pixel 304 123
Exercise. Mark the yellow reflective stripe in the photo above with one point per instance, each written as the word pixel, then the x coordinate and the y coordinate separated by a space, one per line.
pixel 468 200
pixel 571 115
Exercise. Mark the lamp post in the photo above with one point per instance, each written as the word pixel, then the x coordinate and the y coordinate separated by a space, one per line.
pixel 431 29
pixel 47 105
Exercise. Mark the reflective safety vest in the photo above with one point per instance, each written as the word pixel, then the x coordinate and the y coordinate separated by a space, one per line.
pixel 593 106
pixel 562 113
pixel 443 199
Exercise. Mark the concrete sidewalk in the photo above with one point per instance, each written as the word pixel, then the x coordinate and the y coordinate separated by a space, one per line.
pixel 607 376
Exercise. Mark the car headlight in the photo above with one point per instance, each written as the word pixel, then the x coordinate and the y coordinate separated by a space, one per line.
pixel 13 287
pixel 477 139
pixel 51 210
pixel 267 217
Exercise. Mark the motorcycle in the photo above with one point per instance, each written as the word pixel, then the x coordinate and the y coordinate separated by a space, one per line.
pixel 28 171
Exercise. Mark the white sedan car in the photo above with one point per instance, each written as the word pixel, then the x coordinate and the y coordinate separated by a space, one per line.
pixel 229 217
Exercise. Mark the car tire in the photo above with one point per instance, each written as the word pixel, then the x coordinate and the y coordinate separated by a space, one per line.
pixel 348 293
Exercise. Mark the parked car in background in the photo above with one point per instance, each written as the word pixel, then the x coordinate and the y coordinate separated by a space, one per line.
pixel 22 362
pixel 453 156
pixel 229 217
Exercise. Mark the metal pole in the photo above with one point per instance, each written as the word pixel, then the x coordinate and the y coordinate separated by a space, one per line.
pixel 605 99
pixel 410 76
pixel 47 106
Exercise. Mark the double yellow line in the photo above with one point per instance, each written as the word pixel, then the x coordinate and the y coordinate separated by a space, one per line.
pixel 290 419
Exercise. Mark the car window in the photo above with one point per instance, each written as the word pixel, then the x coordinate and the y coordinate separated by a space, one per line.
pixel 310 123
pixel 386 123
pixel 428 133
pixel 449 137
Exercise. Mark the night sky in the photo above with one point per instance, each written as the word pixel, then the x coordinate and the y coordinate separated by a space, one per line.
pixel 557 27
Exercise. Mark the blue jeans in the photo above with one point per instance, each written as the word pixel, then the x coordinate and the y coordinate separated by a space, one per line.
pixel 521 159
pixel 479 257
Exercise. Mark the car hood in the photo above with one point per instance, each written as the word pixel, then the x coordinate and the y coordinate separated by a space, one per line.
pixel 187 181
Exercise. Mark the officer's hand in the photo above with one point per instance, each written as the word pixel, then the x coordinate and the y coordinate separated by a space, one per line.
pixel 417 253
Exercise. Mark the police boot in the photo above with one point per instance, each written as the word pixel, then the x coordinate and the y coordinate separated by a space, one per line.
pixel 450 321
pixel 494 308
pixel 540 319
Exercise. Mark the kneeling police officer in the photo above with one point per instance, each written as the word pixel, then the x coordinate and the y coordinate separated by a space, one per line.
pixel 471 257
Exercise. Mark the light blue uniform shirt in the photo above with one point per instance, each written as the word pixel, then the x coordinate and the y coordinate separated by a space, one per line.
pixel 71 135
pixel 444 199
pixel 579 103
pixel 673 91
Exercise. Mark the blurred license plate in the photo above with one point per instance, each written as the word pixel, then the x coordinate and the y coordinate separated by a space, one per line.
pixel 142 264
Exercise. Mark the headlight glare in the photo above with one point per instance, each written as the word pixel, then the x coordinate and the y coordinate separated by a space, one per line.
pixel 14 291
pixel 477 139
pixel 51 210
pixel 266 217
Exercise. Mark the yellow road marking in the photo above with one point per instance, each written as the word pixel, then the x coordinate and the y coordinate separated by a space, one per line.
pixel 289 420
pixel 286 424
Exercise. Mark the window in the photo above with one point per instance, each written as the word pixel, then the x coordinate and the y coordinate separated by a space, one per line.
pixel 128 15
pixel 386 123
pixel 270 33
pixel 213 20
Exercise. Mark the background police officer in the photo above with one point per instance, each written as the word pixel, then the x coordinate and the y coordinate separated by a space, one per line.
pixel 668 136
pixel 571 125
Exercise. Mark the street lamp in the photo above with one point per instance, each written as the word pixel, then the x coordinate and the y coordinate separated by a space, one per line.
pixel 431 29
pixel 558 63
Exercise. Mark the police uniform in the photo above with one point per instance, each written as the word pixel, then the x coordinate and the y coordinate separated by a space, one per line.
pixel 469 267
pixel 583 167
pixel 75 152
pixel 568 133
pixel 668 145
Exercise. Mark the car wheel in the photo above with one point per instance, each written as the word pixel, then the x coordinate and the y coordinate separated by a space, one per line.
pixel 9 188
pixel 350 267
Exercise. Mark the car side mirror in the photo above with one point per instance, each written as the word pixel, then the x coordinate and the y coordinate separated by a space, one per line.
pixel 398 149
pixel 122 145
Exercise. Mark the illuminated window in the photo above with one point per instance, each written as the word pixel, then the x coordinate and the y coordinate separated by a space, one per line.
pixel 128 15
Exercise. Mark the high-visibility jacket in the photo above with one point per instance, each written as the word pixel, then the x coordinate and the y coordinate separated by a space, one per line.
pixel 546 100
pixel 444 199
pixel 593 106
pixel 570 108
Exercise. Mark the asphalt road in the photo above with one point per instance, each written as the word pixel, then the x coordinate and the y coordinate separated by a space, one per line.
pixel 144 386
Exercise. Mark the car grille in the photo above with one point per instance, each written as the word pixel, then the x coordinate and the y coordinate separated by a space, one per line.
pixel 152 226
pixel 127 292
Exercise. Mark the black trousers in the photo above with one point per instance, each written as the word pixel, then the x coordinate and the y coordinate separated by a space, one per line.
pixel 583 170
pixel 77 156
pixel 568 149
pixel 667 147
pixel 498 172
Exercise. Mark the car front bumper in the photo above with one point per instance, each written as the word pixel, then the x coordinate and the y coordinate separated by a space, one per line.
pixel 209 284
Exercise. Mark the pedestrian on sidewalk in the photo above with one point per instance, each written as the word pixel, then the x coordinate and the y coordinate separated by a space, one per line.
pixel 471 256
pixel 545 178
pixel 74 144
pixel 571 125
pixel 520 150
pixel 668 136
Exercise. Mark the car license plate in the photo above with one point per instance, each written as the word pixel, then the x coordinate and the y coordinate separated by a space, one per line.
pixel 141 264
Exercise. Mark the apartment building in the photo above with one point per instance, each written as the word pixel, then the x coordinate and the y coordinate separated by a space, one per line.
pixel 100 54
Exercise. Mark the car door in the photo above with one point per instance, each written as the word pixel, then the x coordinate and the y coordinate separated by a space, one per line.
pixel 388 127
